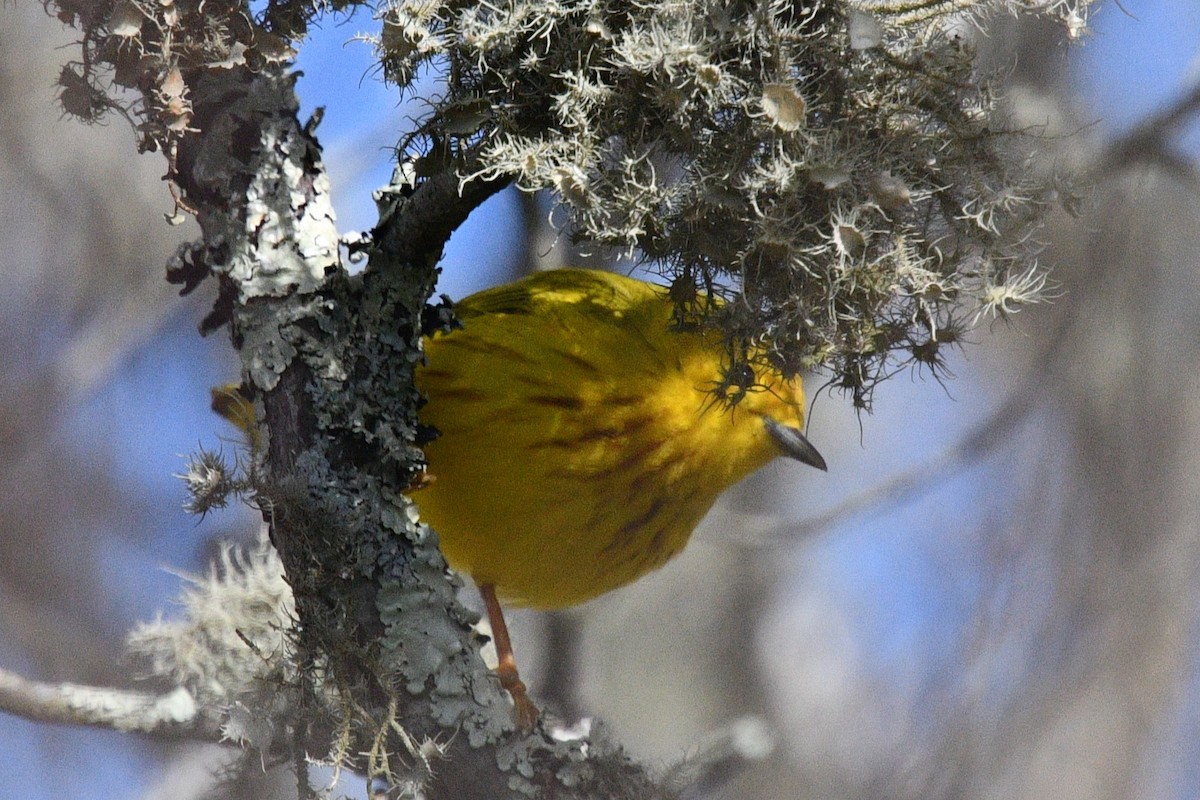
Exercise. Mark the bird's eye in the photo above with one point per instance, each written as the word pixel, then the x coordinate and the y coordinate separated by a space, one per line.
pixel 737 382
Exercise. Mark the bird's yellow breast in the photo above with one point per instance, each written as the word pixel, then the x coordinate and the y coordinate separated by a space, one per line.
pixel 580 443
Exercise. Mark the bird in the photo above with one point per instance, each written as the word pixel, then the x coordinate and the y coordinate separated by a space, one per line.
pixel 582 434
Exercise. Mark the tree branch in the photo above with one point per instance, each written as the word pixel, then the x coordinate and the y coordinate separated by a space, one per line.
pixel 1150 142
pixel 172 715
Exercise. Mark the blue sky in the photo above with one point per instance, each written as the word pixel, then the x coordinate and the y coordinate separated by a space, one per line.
pixel 1138 57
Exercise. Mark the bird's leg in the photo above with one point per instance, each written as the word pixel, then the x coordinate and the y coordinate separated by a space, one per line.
pixel 506 667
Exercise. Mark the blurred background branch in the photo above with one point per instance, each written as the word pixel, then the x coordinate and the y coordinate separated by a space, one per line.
pixel 169 715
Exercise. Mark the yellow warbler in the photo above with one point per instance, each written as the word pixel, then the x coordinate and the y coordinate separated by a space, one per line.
pixel 580 441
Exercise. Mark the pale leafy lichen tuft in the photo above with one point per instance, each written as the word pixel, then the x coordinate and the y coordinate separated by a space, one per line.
pixel 232 647
pixel 727 144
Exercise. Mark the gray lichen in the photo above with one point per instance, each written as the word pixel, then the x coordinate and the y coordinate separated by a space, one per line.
pixel 838 170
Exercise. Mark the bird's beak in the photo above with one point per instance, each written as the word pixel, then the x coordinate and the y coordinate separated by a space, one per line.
pixel 794 444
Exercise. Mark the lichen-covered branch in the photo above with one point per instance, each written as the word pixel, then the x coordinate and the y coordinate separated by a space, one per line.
pixel 369 658
pixel 174 714
pixel 385 657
